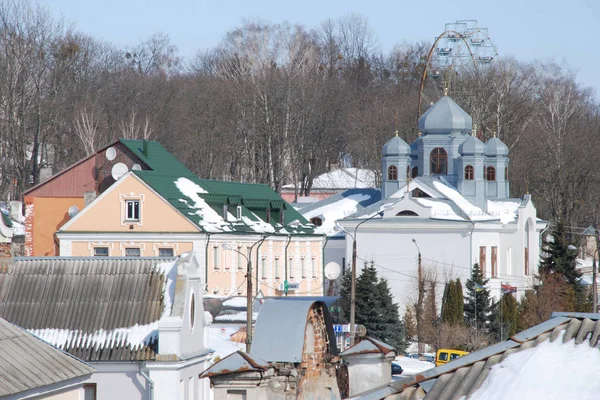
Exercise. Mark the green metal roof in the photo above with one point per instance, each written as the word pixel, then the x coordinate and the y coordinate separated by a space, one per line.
pixel 6 220
pixel 156 157
pixel 254 200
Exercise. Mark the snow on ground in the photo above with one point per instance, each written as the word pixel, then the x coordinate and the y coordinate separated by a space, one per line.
pixel 412 366
pixel 547 371
pixel 330 213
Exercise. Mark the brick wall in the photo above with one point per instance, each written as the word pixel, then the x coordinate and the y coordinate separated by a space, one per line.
pixel 29 229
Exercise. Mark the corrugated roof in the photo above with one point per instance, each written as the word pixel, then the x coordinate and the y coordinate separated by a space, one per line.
pixel 157 157
pixel 87 304
pixel 27 362
pixel 280 328
pixel 464 375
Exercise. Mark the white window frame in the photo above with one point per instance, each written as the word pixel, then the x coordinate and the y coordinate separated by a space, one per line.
pixel 215 259
pixel 101 247
pixel 166 248
pixel 276 268
pixel 133 248
pixel 263 267
pixel 132 203
pixel 238 213
pixel 313 267
pixel 240 258
pixel 303 267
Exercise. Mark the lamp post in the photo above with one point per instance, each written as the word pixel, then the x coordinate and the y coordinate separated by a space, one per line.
pixel 420 298
pixel 248 258
pixel 353 274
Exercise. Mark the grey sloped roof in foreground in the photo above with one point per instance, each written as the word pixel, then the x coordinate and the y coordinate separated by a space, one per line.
pixel 85 306
pixel 280 328
pixel 27 362
pixel 463 376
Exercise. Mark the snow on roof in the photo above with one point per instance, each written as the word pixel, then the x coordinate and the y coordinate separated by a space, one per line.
pixel 506 210
pixel 136 336
pixel 211 220
pixel 475 213
pixel 343 178
pixel 550 370
pixel 440 209
pixel 219 340
pixel 330 213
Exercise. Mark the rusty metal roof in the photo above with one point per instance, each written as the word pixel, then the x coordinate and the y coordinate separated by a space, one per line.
pixel 234 363
pixel 368 346
pixel 280 328
pixel 464 375
pixel 87 303
pixel 27 362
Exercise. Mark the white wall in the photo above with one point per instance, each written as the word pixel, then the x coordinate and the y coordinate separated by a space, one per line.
pixel 119 381
pixel 368 371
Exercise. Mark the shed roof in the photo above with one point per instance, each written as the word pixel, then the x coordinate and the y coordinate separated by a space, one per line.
pixel 27 362
pixel 463 376
pixel 94 308
pixel 280 329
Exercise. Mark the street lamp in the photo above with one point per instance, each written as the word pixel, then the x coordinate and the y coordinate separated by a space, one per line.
pixel 353 277
pixel 248 258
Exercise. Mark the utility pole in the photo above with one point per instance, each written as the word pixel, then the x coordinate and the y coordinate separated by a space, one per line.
pixel 353 293
pixel 594 283
pixel 419 310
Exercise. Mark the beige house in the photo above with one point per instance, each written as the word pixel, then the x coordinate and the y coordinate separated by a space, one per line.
pixel 166 211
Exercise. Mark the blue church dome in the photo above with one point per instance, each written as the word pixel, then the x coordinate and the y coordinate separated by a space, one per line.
pixel 445 117
pixel 396 147
pixel 472 147
pixel 495 147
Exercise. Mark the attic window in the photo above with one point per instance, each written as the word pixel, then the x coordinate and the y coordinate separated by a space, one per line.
pixel 268 215
pixel 407 213
pixel 132 210
pixel 238 213
pixel 281 217
pixel 316 221
pixel 419 193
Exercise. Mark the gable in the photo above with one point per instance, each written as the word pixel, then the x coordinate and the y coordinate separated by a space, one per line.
pixel 108 212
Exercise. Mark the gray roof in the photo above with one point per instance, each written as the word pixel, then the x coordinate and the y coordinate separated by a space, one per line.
pixel 369 346
pixel 27 362
pixel 472 146
pixel 280 328
pixel 445 117
pixel 235 362
pixel 396 147
pixel 84 296
pixel 463 376
pixel 495 147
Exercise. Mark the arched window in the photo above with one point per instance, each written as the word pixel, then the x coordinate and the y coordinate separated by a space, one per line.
pixel 469 173
pixel 491 174
pixel 415 172
pixel 439 161
pixel 316 221
pixel 392 173
pixel 407 213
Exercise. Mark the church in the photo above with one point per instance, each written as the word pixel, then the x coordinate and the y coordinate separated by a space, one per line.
pixel 445 202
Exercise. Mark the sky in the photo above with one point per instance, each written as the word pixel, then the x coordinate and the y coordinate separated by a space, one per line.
pixel 559 30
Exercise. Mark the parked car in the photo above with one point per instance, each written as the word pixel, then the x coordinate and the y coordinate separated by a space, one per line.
pixel 396 369
pixel 445 355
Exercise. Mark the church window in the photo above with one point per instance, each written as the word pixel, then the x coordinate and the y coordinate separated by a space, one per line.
pixel 415 172
pixel 469 173
pixel 419 193
pixel 392 173
pixel 316 221
pixel 491 174
pixel 407 213
pixel 439 161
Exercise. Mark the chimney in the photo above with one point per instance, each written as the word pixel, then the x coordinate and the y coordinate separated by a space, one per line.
pixel 145 148
pixel 88 197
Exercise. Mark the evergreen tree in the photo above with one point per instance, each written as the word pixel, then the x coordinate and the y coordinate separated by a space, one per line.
pixel 478 296
pixel 375 308
pixel 559 259
pixel 453 303
pixel 410 323
pixel 505 320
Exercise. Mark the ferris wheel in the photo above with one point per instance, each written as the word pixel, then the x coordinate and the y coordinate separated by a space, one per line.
pixel 463 48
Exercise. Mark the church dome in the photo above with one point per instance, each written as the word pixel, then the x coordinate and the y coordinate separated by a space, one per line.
pixel 495 147
pixel 445 117
pixel 472 147
pixel 396 147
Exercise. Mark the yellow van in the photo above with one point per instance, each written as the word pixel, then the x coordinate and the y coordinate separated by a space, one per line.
pixel 445 355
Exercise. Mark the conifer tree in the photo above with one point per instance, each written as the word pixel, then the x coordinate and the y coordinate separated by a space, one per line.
pixel 453 303
pixel 478 301
pixel 505 320
pixel 558 258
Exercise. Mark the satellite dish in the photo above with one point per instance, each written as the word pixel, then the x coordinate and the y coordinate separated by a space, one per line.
pixel 118 170
pixel 111 153
pixel 72 211
pixel 332 270
pixel 361 331
pixel 136 167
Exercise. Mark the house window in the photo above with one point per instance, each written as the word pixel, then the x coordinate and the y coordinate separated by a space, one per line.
pixel 238 213
pixel 132 252
pixel 277 274
pixel 303 267
pixel 263 268
pixel 290 263
pixel 132 210
pixel 313 267
pixel 240 259
pixel 316 221
pixel 392 173
pixel 415 172
pixel 165 252
pixel 469 173
pixel 491 174
pixel 89 391
pixel 407 213
pixel 100 251
pixel 439 161
pixel 215 257
pixel 494 261
pixel 526 261
pixel 482 260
